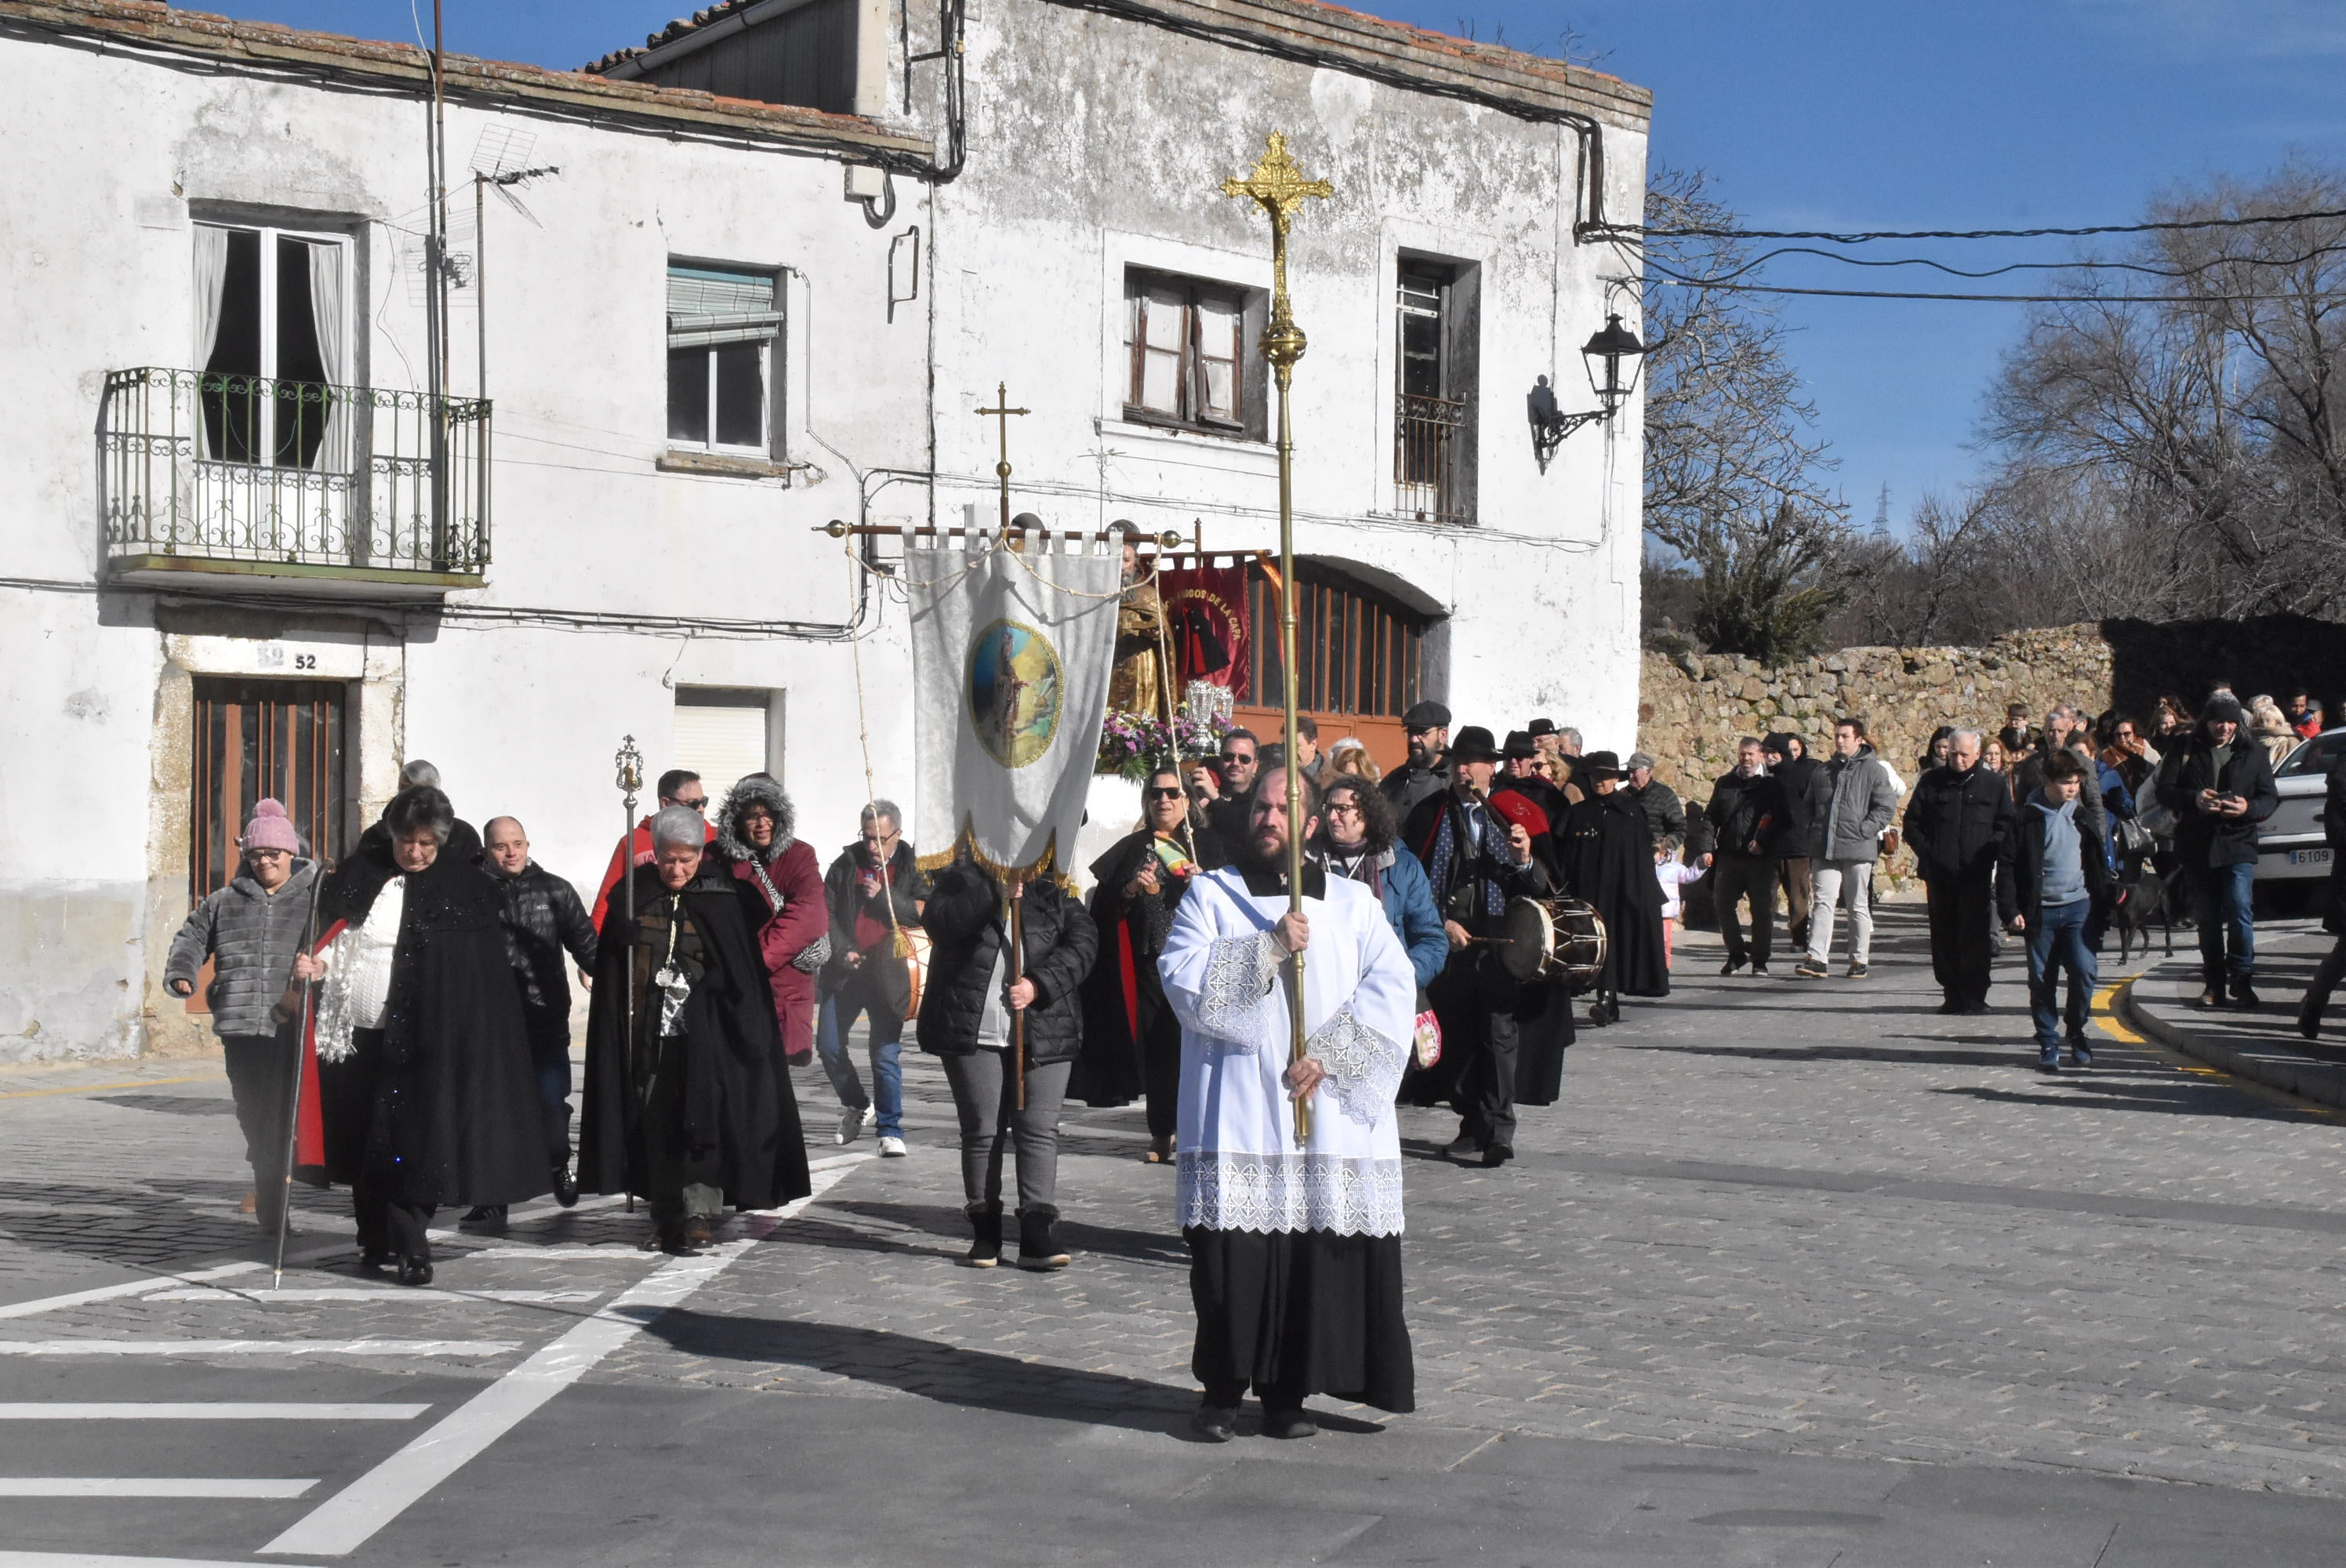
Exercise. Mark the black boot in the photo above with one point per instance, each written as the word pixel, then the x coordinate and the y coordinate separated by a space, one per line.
pixel 1036 1250
pixel 985 1224
pixel 2211 994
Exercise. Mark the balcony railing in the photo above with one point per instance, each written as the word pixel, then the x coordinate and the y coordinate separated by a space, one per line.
pixel 1428 459
pixel 254 473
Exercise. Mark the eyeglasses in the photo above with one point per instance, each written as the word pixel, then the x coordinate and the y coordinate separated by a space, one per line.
pixel 1167 794
pixel 1236 756
pixel 1344 808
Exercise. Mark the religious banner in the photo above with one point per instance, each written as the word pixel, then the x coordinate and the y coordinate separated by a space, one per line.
pixel 1206 620
pixel 1011 657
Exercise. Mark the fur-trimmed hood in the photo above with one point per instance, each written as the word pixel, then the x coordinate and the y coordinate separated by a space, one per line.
pixel 760 789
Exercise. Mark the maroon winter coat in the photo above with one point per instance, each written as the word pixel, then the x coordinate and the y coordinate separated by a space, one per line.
pixel 791 890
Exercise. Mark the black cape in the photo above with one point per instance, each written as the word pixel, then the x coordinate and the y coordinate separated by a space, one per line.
pixel 727 1095
pixel 1608 859
pixel 446 1111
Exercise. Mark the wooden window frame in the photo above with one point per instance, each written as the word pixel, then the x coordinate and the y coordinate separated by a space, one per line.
pixel 1190 374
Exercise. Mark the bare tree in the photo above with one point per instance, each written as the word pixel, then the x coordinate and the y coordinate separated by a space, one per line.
pixel 1734 474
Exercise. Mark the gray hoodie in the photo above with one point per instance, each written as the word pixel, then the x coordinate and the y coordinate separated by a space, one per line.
pixel 252 937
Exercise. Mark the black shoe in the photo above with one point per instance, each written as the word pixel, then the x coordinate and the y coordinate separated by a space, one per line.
pixel 1976 1008
pixel 415 1271
pixel 485 1214
pixel 375 1259
pixel 1496 1156
pixel 2212 995
pixel 1951 1005
pixel 1758 971
pixel 1292 1423
pixel 985 1223
pixel 565 1187
pixel 2244 995
pixel 1730 966
pixel 1603 1013
pixel 1214 1423
pixel 2080 1054
pixel 700 1232
pixel 2049 1062
pixel 1036 1249
pixel 2308 1023
pixel 672 1239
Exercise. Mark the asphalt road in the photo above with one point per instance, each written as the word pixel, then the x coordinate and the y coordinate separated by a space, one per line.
pixel 1798 1273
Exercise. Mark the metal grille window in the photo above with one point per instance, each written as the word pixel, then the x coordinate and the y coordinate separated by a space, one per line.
pixel 1430 413
pixel 1356 651
pixel 722 329
pixel 1187 342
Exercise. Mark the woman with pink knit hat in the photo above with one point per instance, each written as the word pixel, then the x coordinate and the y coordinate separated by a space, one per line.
pixel 251 929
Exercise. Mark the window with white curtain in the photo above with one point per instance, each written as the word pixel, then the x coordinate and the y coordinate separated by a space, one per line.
pixel 724 328
pixel 273 338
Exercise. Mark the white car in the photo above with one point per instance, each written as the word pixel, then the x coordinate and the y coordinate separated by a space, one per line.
pixel 2290 843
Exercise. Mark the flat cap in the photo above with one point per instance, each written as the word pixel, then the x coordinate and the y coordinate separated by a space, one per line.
pixel 1426 715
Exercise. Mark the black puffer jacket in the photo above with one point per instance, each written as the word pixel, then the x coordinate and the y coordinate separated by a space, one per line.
pixel 2202 838
pixel 1745 812
pixel 1807 786
pixel 1957 822
pixel 543 920
pixel 966 928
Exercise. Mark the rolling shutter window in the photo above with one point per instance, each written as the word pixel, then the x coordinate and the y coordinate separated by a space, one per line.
pixel 721 736
pixel 706 308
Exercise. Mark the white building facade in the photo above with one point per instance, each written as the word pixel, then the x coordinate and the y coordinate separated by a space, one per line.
pixel 788 250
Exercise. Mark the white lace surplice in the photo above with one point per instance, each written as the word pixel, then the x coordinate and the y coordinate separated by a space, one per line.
pixel 1239 1167
pixel 357 987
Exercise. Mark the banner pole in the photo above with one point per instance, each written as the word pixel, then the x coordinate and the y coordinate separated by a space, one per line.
pixel 631 778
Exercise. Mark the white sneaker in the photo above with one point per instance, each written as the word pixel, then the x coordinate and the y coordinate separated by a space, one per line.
pixel 853 1125
pixel 892 1148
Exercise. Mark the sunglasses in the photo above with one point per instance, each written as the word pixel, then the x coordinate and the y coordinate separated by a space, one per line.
pixel 1236 756
pixel 1167 794
pixel 700 805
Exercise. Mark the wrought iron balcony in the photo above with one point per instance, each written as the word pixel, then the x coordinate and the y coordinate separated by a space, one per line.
pixel 200 472
pixel 1428 458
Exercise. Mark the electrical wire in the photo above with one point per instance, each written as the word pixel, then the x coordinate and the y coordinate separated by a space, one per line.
pixel 1985 298
pixel 2172 225
pixel 2087 265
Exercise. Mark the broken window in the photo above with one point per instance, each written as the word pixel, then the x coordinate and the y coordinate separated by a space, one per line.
pixel 722 329
pixel 272 345
pixel 1187 340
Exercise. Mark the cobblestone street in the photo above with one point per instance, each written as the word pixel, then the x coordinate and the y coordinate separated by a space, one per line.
pixel 1796 1273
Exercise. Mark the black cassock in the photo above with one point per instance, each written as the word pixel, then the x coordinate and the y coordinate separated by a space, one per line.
pixel 442 1106
pixel 712 1104
pixel 1606 852
pixel 1132 1042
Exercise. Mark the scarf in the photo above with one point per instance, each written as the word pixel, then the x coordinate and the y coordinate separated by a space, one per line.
pixel 1447 834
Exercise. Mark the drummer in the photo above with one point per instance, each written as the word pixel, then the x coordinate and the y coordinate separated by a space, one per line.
pixel 1476 860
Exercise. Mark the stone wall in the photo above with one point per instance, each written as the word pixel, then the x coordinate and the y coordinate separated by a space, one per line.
pixel 1693 707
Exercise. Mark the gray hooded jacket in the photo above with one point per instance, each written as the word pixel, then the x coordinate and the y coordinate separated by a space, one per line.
pixel 252 937
pixel 1863 803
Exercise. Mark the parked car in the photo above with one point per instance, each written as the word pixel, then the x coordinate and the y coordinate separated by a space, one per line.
pixel 2289 843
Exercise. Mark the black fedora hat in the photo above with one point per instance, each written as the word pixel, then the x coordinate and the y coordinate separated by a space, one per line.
pixel 1519 745
pixel 1473 744
pixel 1601 765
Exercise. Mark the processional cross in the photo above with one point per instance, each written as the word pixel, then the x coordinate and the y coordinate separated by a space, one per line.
pixel 1000 414
pixel 1279 188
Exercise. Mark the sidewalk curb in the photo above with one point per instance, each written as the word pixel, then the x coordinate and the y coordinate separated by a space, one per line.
pixel 2268 1062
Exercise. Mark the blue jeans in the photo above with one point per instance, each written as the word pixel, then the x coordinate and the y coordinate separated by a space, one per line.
pixel 833 1018
pixel 2056 942
pixel 549 1057
pixel 2223 896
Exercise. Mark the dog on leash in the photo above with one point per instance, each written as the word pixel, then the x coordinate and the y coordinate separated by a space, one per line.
pixel 2145 899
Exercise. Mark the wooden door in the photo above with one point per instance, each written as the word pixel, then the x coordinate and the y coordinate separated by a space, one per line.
pixel 257 738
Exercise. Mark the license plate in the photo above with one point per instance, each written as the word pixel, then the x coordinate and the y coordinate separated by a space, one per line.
pixel 2309 857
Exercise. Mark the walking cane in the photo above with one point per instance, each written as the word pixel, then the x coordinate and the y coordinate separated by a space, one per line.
pixel 294 1100
pixel 630 763
pixel 1017 974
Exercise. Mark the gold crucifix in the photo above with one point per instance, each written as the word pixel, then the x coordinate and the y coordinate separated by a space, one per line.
pixel 1000 414
pixel 1279 188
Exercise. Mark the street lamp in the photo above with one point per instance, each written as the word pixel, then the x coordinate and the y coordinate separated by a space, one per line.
pixel 1606 348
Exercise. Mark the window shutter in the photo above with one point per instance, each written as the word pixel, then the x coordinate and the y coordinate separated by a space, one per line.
pixel 707 308
pixel 721 736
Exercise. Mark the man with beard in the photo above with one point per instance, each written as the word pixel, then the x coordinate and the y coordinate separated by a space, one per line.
pixel 1608 856
pixel 687 1100
pixel 1132 1042
pixel 1956 824
pixel 1476 858
pixel 426 1090
pixel 1240 760
pixel 1294 1251
pixel 1427 772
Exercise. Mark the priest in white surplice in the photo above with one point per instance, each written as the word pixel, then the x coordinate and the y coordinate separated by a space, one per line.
pixel 1294 1252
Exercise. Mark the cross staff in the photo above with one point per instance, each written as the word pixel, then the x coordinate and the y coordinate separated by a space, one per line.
pixel 1279 188
pixel 1000 414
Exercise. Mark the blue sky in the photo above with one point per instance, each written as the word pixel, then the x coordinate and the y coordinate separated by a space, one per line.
pixel 1822 114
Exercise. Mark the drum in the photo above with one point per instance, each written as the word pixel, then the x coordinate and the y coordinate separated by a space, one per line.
pixel 913 942
pixel 1553 938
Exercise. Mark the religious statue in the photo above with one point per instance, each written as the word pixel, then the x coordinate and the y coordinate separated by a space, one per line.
pixel 1137 683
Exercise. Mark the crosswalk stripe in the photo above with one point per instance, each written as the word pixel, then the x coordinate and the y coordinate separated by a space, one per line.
pixel 147 1486
pixel 261 1297
pixel 258 1346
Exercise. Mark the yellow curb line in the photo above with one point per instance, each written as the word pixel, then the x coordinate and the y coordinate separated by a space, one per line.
pixel 100 1088
pixel 2104 1015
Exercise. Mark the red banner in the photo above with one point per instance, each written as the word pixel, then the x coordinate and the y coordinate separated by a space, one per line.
pixel 1206 622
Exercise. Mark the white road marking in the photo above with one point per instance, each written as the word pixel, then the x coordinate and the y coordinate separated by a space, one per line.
pixel 345 1522
pixel 160 1281
pixel 264 1297
pixel 626 1250
pixel 100 1559
pixel 218 1411
pixel 145 1486
pixel 258 1346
